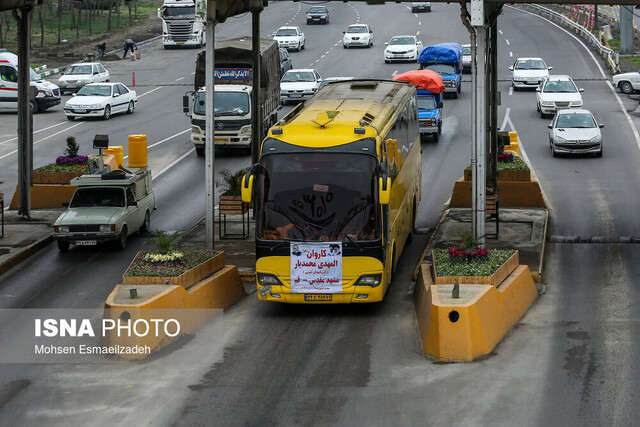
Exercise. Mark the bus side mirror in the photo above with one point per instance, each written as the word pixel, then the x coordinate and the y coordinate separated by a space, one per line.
pixel 247 185
pixel 384 190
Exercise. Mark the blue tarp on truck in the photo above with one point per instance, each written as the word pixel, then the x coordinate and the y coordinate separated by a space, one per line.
pixel 446 60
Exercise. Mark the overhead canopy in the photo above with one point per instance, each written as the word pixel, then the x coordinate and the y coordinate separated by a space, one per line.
pixel 422 79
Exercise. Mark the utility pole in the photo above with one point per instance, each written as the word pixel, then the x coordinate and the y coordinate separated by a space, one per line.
pixel 256 116
pixel 209 149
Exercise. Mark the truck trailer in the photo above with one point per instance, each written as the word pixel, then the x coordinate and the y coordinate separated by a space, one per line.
pixel 233 87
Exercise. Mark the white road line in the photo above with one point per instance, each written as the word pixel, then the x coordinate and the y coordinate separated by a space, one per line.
pixel 506 41
pixel 510 90
pixel 394 73
pixel 500 31
pixel 164 140
pixel 179 78
pixel 419 22
pixel 44 139
pixel 447 202
pixel 634 130
pixel 511 54
pixel 147 93
pixel 418 33
pixel 172 164
pixel 35 131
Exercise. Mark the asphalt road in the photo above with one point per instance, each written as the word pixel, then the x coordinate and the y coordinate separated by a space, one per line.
pixel 569 361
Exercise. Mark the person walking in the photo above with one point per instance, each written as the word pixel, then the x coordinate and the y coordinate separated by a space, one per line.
pixel 129 45
pixel 101 48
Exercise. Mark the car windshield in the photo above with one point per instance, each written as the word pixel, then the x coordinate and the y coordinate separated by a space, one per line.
pixel 442 68
pixel 531 64
pixel 179 12
pixel 358 29
pixel 98 196
pixel 95 90
pixel 576 121
pixel 299 76
pixel 402 40
pixel 426 103
pixel 286 32
pixel 317 10
pixel 562 86
pixel 318 197
pixel 78 69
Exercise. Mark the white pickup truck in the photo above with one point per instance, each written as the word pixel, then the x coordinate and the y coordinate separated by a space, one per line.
pixel 106 207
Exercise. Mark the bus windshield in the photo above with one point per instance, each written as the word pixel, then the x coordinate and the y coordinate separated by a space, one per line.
pixel 318 197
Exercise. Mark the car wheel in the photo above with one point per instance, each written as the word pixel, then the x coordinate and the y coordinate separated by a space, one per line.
pixel 199 151
pixel 599 153
pixel 542 115
pixel 121 243
pixel 131 107
pixel 146 225
pixel 107 112
pixel 71 118
pixel 386 62
pixel 455 95
pixel 63 246
pixel 538 106
pixel 436 137
pixel 625 87
pixel 344 45
pixel 553 151
pixel 33 106
pixel 460 87
pixel 413 11
pixel 303 44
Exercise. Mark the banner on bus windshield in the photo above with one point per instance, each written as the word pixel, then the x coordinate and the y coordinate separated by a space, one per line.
pixel 316 267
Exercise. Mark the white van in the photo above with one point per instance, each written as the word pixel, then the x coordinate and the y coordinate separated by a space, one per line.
pixel 48 93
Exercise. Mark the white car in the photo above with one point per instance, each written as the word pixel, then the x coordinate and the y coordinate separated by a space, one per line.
pixel 298 85
pixel 557 93
pixel 78 75
pixel 575 131
pixel 402 48
pixel 357 35
pixel 329 80
pixel 627 82
pixel 290 38
pixel 528 72
pixel 101 100
pixel 466 58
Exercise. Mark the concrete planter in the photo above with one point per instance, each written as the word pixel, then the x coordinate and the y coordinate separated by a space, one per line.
pixel 494 280
pixel 506 175
pixel 54 177
pixel 186 279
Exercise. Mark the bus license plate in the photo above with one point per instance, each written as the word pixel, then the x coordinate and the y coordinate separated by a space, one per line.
pixel 317 297
pixel 86 243
pixel 221 139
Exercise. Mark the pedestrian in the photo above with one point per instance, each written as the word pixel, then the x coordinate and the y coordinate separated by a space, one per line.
pixel 129 45
pixel 101 48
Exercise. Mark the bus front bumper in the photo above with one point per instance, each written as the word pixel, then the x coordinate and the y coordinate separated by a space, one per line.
pixel 357 294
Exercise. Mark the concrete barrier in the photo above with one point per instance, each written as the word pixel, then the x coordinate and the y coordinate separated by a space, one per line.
pixel 465 328
pixel 514 194
pixel 220 290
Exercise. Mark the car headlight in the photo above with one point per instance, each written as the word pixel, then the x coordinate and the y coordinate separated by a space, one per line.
pixel 560 139
pixel 105 228
pixel 371 280
pixel 595 138
pixel 47 92
pixel 576 104
pixel 268 280
pixel 61 229
pixel 547 103
pixel 96 106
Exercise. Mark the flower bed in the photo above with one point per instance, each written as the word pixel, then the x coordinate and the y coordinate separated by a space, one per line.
pixel 190 268
pixel 498 265
pixel 516 170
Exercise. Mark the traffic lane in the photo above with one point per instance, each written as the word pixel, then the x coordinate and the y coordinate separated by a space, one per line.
pixel 592 321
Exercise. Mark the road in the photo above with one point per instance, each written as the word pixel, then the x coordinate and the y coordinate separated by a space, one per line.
pixel 568 361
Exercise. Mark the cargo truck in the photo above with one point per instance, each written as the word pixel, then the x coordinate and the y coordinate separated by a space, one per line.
pixel 430 93
pixel 446 60
pixel 233 87
pixel 183 22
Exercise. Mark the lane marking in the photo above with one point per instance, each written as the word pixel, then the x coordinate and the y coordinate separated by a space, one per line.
pixel 511 54
pixel 35 131
pixel 179 78
pixel 147 93
pixel 510 90
pixel 172 164
pixel 164 140
pixel 507 42
pixel 500 31
pixel 44 139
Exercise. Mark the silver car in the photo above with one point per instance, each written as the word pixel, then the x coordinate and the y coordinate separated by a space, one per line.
pixel 575 131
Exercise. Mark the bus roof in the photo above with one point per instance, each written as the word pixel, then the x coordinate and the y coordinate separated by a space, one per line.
pixel 343 112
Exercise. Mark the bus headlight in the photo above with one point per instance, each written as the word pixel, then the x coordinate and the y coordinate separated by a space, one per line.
pixel 268 280
pixel 371 280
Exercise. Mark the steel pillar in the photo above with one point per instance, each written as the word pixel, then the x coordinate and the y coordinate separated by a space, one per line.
pixel 256 115
pixel 209 152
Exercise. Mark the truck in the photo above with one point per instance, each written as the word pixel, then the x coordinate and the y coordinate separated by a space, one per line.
pixel 47 94
pixel 446 60
pixel 233 88
pixel 183 23
pixel 430 93
pixel 106 207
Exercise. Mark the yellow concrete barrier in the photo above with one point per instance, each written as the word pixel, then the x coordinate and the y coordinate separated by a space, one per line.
pixel 518 194
pixel 465 328
pixel 137 151
pixel 220 290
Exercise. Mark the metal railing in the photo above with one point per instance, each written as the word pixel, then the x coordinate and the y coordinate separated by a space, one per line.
pixel 611 56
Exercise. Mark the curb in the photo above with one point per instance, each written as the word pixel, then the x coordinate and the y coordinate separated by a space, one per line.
pixel 416 270
pixel 25 253
pixel 50 72
pixel 537 277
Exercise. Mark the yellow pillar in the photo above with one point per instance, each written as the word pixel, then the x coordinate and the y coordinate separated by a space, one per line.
pixel 137 151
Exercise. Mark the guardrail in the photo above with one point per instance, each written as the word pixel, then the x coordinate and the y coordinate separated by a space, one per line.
pixel 611 56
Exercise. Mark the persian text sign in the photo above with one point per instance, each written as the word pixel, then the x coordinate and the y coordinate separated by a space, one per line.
pixel 316 267
pixel 233 73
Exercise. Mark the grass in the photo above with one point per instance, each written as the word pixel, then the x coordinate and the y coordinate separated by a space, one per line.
pixel 516 164
pixel 53 167
pixel 445 266
pixel 99 24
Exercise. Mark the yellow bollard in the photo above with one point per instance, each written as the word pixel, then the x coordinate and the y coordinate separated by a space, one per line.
pixel 118 152
pixel 137 151
pixel 513 137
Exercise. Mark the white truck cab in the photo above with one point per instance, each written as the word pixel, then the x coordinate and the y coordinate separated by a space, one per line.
pixel 47 95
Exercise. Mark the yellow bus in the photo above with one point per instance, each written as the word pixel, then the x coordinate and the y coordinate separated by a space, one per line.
pixel 336 193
